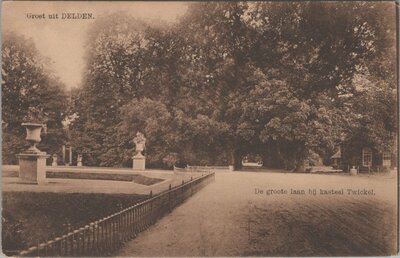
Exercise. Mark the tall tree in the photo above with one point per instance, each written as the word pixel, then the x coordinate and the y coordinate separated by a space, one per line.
pixel 28 82
pixel 113 76
pixel 235 78
pixel 315 50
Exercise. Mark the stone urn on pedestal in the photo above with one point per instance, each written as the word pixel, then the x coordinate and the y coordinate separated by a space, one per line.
pixel 32 162
pixel 139 160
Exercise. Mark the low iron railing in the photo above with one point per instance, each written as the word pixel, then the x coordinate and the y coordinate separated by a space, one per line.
pixel 105 236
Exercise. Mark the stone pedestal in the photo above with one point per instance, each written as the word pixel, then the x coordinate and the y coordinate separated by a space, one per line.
pixel 353 171
pixel 54 163
pixel 79 160
pixel 139 162
pixel 32 167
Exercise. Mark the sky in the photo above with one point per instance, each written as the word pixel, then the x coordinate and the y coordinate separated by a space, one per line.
pixel 62 40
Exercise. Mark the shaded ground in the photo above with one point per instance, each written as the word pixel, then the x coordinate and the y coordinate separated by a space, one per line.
pixel 139 179
pixel 227 218
pixel 29 218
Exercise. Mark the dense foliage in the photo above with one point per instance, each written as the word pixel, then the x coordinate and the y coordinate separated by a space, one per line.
pixel 282 80
pixel 279 79
pixel 28 84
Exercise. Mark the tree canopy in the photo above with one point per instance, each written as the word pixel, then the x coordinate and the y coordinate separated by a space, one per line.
pixel 280 79
pixel 28 82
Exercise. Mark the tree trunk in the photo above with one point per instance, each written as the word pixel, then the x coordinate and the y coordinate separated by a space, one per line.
pixel 281 160
pixel 300 157
pixel 236 159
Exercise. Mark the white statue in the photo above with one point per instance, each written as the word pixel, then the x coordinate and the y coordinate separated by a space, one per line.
pixel 140 142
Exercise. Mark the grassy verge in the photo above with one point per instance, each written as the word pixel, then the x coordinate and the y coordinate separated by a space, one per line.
pixel 139 179
pixel 30 218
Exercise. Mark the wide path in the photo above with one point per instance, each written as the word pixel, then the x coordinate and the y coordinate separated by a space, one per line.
pixel 228 218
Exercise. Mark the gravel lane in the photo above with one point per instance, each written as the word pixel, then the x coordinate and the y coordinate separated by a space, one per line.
pixel 228 218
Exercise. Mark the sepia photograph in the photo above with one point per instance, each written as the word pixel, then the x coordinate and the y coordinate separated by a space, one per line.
pixel 199 128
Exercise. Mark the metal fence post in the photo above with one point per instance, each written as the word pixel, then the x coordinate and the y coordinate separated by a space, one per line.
pixel 151 208
pixel 134 222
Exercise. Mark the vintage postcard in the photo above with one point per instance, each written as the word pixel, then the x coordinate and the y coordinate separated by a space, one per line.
pixel 176 129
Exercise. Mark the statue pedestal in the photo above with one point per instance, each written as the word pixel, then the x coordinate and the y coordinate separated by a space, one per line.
pixel 32 167
pixel 353 171
pixel 139 162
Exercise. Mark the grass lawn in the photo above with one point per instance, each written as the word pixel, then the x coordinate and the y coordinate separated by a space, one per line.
pixel 29 217
pixel 139 179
